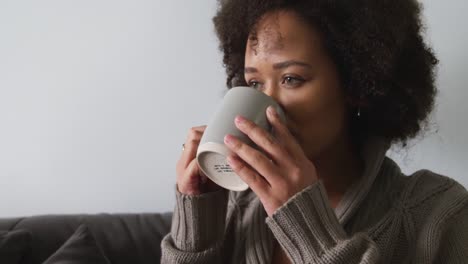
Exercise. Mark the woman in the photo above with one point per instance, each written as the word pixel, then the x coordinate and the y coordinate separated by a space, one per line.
pixel 354 77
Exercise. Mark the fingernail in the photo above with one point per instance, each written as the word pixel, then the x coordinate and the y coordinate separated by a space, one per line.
pixel 239 119
pixel 228 139
pixel 271 111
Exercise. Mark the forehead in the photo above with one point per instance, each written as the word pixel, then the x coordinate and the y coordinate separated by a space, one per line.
pixel 268 34
pixel 282 33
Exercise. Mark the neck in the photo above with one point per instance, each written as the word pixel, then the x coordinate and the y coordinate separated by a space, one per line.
pixel 338 168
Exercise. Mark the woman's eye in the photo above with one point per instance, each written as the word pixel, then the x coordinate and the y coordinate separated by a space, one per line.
pixel 292 81
pixel 254 84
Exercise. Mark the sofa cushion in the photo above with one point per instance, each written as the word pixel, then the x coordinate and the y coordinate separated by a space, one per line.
pixel 123 238
pixel 81 247
pixel 13 244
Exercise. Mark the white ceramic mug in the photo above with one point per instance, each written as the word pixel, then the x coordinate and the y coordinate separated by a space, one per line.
pixel 212 152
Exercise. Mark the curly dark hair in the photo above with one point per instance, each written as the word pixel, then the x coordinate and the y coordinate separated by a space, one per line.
pixel 384 64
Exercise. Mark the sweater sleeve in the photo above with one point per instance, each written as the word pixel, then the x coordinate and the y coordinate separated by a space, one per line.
pixel 197 230
pixel 308 230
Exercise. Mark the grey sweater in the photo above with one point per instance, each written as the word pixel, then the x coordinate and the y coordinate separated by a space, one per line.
pixel 385 217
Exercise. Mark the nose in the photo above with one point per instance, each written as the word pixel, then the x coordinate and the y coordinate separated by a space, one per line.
pixel 272 91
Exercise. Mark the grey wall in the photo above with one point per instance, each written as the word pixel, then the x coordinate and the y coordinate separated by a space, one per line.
pixel 96 98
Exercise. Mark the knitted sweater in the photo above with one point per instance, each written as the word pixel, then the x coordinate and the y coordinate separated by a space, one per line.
pixel 385 217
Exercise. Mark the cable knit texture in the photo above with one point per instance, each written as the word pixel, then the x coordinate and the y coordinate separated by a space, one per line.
pixel 384 217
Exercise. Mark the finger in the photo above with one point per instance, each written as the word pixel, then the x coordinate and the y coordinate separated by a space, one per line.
pixel 254 158
pixel 261 138
pixel 191 145
pixel 190 179
pixel 282 133
pixel 199 128
pixel 256 182
pixel 195 133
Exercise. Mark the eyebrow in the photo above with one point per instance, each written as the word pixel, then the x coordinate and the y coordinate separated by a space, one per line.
pixel 280 65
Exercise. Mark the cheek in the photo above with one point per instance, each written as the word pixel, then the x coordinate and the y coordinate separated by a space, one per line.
pixel 317 116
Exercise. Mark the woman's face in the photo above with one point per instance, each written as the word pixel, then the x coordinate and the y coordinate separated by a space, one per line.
pixel 286 60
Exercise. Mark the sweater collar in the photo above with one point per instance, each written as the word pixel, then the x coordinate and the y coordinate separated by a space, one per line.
pixel 373 153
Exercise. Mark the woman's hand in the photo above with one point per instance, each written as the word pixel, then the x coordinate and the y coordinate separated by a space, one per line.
pixel 281 172
pixel 190 179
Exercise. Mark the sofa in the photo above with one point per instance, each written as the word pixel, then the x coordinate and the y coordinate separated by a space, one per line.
pixel 84 238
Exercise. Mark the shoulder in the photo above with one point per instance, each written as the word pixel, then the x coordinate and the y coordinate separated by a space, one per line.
pixel 425 194
pixel 437 208
pixel 429 195
pixel 425 185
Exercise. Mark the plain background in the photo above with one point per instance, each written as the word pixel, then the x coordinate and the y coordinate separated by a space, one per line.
pixel 97 96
